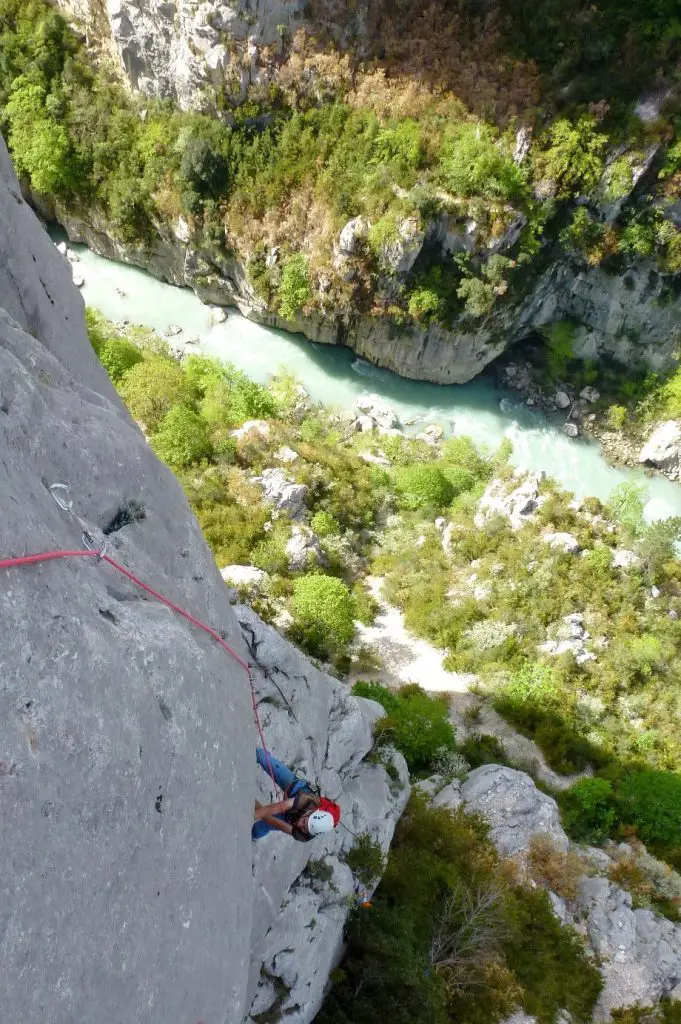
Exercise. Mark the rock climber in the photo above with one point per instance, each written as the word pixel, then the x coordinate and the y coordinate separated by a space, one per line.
pixel 301 814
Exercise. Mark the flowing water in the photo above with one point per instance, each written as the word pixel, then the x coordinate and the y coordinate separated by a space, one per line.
pixel 336 377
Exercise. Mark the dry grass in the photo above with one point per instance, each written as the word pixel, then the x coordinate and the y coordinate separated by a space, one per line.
pixel 550 867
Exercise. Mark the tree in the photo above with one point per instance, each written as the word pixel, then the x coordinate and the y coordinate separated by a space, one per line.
pixel 294 287
pixel 416 723
pixel 423 485
pixel 626 505
pixel 151 388
pixel 474 163
pixel 205 163
pixel 182 438
pixel 323 613
pixel 40 147
pixel 588 810
pixel 118 355
pixel 651 800
pixel 574 158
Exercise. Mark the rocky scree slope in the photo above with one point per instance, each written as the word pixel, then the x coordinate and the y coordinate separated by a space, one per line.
pixel 638 951
pixel 127 764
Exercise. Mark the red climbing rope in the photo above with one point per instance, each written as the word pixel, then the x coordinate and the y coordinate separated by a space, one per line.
pixel 49 556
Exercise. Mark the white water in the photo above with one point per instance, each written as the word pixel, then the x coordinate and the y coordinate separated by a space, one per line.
pixel 335 376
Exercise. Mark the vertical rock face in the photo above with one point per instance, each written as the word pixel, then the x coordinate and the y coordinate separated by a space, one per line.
pixel 127 767
pixel 126 748
pixel 187 50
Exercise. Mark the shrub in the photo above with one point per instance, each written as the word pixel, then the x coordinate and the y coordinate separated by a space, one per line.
pixel 588 810
pixel 366 859
pixel 118 355
pixel 425 304
pixel 574 159
pixel 450 764
pixel 294 286
pixel 482 748
pixel 416 723
pixel 626 504
pixel 423 486
pixel 151 388
pixel 323 613
pixel 617 417
pixel 461 453
pixel 460 480
pixel 554 868
pixel 651 800
pixel 477 295
pixel 559 341
pixel 182 438
pixel 324 524
pixel 474 163
pixel 619 179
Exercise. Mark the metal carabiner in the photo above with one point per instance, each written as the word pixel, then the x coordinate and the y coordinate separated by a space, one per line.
pixel 92 545
pixel 65 504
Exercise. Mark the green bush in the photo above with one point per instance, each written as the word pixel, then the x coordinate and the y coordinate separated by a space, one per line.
pixel 118 355
pixel 588 810
pixel 474 163
pixel 322 613
pixel 366 859
pixel 423 486
pixel 416 723
pixel 481 748
pixel 182 438
pixel 40 145
pixel 617 417
pixel 477 295
pixel 324 524
pixel 574 158
pixel 651 800
pixel 425 304
pixel 460 479
pixel 151 388
pixel 294 287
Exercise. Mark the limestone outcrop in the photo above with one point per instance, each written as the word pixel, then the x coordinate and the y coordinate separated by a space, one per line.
pixel 131 888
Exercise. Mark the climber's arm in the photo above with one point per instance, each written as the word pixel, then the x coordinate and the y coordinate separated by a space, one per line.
pixel 268 813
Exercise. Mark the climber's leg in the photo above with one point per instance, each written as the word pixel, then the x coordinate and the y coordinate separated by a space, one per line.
pixel 283 776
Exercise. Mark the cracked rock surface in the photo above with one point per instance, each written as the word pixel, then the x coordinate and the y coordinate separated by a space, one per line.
pixel 127 745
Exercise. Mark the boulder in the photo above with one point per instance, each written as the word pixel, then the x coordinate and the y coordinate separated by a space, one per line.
pixel 78 277
pixel 449 797
pixel 244 576
pixel 364 425
pixel 624 559
pixel 663 447
pixel 517 505
pixel 399 255
pixel 640 952
pixel 286 455
pixel 303 549
pixel 515 809
pixel 218 314
pixel 261 428
pixel 351 235
pixel 561 400
pixel 286 495
pixel 590 394
pixel 562 542
pixel 432 435
pixel 172 330
pixel 571 429
pixel 378 411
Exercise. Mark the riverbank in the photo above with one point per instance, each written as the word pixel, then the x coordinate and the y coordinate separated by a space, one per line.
pixel 333 375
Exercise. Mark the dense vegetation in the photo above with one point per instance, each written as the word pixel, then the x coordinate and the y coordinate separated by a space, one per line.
pixel 453 936
pixel 332 139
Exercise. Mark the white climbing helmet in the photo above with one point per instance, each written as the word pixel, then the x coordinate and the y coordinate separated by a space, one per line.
pixel 319 822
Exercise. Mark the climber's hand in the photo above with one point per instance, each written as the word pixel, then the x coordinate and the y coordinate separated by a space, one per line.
pixel 303 802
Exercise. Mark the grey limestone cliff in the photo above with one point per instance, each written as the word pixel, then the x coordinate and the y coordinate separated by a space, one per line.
pixel 127 768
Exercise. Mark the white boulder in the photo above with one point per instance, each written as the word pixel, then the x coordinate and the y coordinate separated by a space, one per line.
pixel 562 542
pixel 515 809
pixel 623 559
pixel 303 549
pixel 571 429
pixel 261 428
pixel 561 400
pixel 663 447
pixel 286 495
pixel 244 576
pixel 590 394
